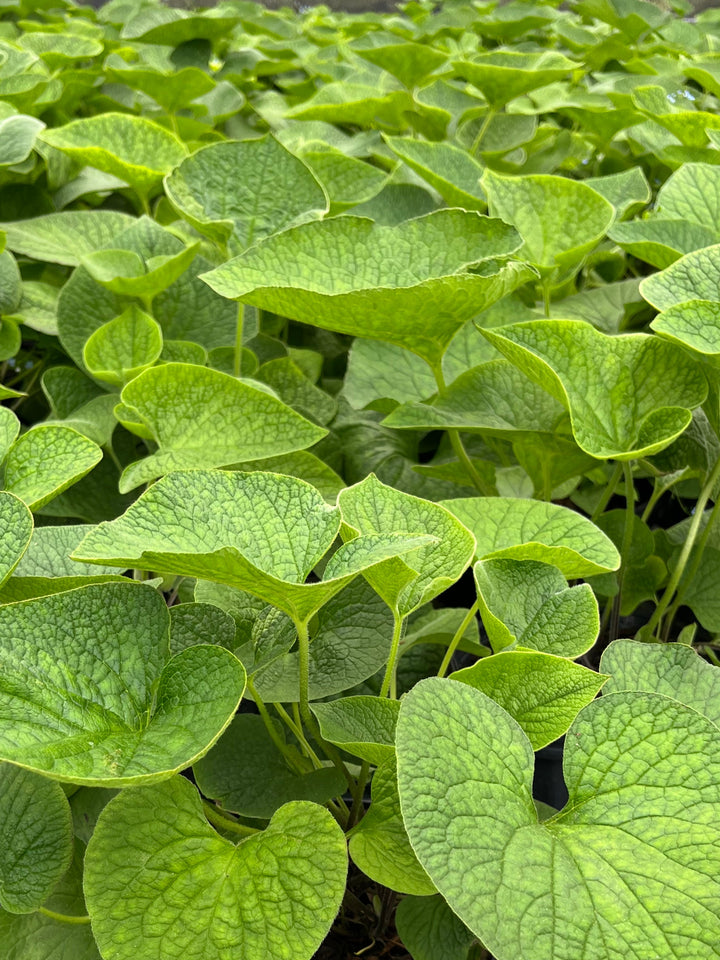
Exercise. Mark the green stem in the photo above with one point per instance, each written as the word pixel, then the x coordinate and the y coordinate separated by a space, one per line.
pixel 456 440
pixel 239 327
pixel 359 795
pixel 459 634
pixel 607 492
pixel 546 296
pixel 219 819
pixel 271 728
pixel 677 573
pixel 389 680
pixel 62 917
pixel 298 732
pixel 487 120
pixel 626 545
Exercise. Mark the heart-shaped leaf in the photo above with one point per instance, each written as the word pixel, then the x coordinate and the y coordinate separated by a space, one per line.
pixel 694 324
pixel 533 530
pixel 349 275
pixel 90 695
pixel 246 772
pixel 36 838
pixel 643 773
pixel 670 669
pixel 260 532
pixel 126 273
pixel 692 277
pixel 560 220
pixel 122 348
pixel 364 726
pixel 379 844
pixel 661 242
pixel 692 193
pixel 17 527
pixel 371 508
pixel 159 878
pixel 503 75
pixel 453 172
pixel 134 149
pixel 529 604
pixel 633 395
pixel 239 421
pixel 193 623
pixel 543 693
pixel 65 237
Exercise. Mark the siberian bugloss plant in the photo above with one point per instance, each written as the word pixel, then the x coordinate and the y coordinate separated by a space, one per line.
pixel 359 442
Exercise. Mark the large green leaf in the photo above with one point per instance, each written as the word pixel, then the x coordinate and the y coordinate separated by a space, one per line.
pixel 670 669
pixel 529 604
pixel 371 508
pixel 632 395
pixel 122 348
pixel 274 191
pixel 692 193
pixel 47 460
pixel 542 692
pixel 379 844
pixel 65 237
pixel 203 418
pixel 533 530
pixel 453 172
pixel 660 242
pixel 17 527
pixel 90 695
pixel 560 220
pixel 160 881
pixel 503 75
pixel 246 772
pixel 36 832
pixel 694 324
pixel 260 532
pixel 128 274
pixel 17 138
pixel 410 284
pixel 643 774
pixel 133 148
pixel 364 726
pixel 693 277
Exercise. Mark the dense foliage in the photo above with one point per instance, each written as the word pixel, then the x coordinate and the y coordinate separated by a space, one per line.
pixel 364 370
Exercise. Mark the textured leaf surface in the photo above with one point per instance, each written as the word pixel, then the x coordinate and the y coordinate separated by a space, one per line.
pixel 531 530
pixel 503 75
pixel 371 508
pixel 65 237
pixel 121 349
pixel 409 284
pixel 453 172
pixel 430 930
pixel 692 277
pixel 275 190
pixel 90 695
pixel 35 837
pixel 203 418
pixel 670 669
pixel 47 460
pixel 246 772
pixel 529 604
pixel 542 692
pixel 379 844
pixel 259 532
pixel 640 826
pixel 364 726
pixel 628 396
pixel 160 881
pixel 694 324
pixel 17 528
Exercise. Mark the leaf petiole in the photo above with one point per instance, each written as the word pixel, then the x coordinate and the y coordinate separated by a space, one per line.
pixel 62 917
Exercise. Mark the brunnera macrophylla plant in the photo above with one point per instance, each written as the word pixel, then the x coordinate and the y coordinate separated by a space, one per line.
pixel 359 472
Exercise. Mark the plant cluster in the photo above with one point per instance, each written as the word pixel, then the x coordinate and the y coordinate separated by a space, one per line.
pixel 360 383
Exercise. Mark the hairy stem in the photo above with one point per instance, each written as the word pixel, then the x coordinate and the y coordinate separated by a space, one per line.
pixel 239 328
pixel 459 634
pixel 607 492
pixel 626 546
pixel 389 680
pixel 272 729
pixel 456 441
pixel 219 819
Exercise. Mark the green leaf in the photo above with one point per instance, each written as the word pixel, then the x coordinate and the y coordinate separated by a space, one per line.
pixel 347 180
pixel 692 277
pixel 126 273
pixel 134 149
pixel 246 772
pixel 122 348
pixel 542 692
pixel 560 220
pixel 65 237
pixel 174 27
pixel 409 62
pixel 89 694
pixel 669 669
pixel 453 172
pixel 193 623
pixel 305 466
pixel 494 398
pixel 289 382
pixel 626 190
pixel 364 726
pixel 47 460
pixel 36 838
pixel 631 397
pixel 534 530
pixel 430 930
pixel 503 75
pixel 644 572
pixel 694 324
pixel 529 604
pixel 371 508
pixel 660 242
pixel 159 878
pixel 17 138
pixel 171 89
pixel 38 307
pixel 10 293
pixel 259 532
pixel 352 276
pixel 17 526
pixel 692 193
pixel 238 421
pixel 376 369
pixel 276 190
pixel 639 828
pixel 379 844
